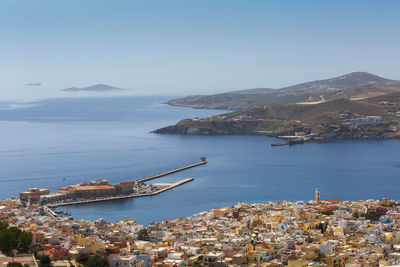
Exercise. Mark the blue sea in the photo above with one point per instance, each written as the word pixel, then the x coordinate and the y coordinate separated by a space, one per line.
pixel 58 142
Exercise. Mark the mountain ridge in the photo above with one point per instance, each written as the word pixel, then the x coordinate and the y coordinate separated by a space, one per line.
pixel 341 82
pixel 313 91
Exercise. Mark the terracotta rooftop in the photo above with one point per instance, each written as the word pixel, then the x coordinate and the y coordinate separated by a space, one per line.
pixel 92 187
pixel 335 201
pixel 125 184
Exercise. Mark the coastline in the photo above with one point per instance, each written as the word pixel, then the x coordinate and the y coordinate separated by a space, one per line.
pixel 330 120
pixel 128 149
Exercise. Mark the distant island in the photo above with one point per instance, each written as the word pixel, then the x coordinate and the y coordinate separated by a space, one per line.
pixel 93 88
pixel 354 106
pixel 34 84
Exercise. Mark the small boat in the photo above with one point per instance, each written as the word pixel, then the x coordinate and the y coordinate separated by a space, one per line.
pixel 295 142
pixel 280 144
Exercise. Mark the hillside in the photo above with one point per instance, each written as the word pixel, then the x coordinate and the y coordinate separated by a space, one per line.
pixel 345 81
pixel 391 98
pixel 353 85
pixel 254 91
pixel 239 101
pixel 328 120
pixel 93 88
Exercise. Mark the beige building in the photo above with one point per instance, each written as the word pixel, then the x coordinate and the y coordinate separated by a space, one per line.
pixel 32 195
pixel 210 258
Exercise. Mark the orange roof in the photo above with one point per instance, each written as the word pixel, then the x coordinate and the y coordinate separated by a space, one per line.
pixel 67 188
pixel 92 187
pixel 125 183
pixel 335 201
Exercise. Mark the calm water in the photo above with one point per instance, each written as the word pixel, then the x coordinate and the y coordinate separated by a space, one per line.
pixel 61 142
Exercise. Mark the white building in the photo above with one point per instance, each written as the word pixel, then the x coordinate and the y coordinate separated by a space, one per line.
pixel 176 258
pixel 367 120
pixel 115 260
pixel 328 247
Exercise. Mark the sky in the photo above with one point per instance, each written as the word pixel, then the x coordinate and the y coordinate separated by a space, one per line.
pixel 189 47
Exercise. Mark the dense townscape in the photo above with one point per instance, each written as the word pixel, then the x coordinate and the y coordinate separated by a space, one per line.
pixel 199 133
pixel 294 234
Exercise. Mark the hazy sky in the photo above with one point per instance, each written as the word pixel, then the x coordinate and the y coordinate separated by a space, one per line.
pixel 187 46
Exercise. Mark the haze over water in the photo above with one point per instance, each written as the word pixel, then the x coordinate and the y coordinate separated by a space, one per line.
pixel 59 142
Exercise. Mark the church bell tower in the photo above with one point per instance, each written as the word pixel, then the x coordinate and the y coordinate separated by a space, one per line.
pixel 317 195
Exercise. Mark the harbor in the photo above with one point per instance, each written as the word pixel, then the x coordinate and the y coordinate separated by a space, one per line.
pixel 159 189
pixel 100 190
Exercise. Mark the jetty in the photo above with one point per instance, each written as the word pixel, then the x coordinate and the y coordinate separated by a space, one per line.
pixel 159 188
pixel 49 212
pixel 164 173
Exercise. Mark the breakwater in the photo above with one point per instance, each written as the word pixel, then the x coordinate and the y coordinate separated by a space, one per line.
pixel 49 212
pixel 161 174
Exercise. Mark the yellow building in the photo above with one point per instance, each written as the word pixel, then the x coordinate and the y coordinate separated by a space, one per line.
pixel 239 259
pixel 297 263
pixel 336 260
pixel 254 257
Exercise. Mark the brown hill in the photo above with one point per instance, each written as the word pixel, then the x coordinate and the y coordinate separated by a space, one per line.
pixel 349 86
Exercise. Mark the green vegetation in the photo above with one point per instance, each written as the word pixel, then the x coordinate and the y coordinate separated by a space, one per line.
pixel 319 257
pixel 375 215
pixel 3 225
pixel 372 216
pixel 14 240
pixel 143 235
pixel 388 205
pixel 44 261
pixel 16 264
pixel 93 261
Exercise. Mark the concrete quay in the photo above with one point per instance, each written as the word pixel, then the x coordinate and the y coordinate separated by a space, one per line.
pixel 151 177
pixel 163 188
pixel 181 182
pixel 49 212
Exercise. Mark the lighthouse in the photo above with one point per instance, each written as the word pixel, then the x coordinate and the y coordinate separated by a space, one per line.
pixel 317 195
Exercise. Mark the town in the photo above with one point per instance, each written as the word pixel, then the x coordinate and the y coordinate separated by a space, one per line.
pixel 295 234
